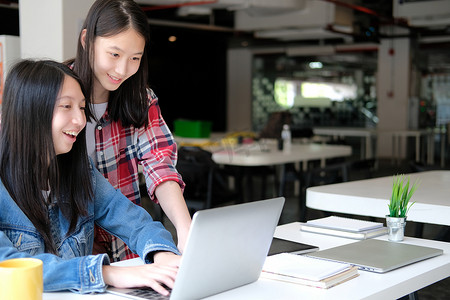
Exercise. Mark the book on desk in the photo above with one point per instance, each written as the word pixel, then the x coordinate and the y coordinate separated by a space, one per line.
pixel 300 269
pixel 345 227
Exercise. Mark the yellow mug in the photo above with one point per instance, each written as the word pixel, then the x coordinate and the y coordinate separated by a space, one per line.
pixel 21 278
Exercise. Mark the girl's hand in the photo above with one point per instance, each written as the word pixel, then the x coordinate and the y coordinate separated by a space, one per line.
pixel 182 236
pixel 167 258
pixel 151 275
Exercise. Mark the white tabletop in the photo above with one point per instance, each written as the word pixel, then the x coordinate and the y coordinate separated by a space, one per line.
pixel 406 132
pixel 367 285
pixel 345 131
pixel 367 133
pixel 263 155
pixel 370 197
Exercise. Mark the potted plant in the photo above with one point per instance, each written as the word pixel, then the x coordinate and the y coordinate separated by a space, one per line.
pixel 399 206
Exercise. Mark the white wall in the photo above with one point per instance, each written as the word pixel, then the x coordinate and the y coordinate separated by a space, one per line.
pixel 393 91
pixel 239 84
pixel 9 51
pixel 74 14
pixel 50 28
pixel 9 54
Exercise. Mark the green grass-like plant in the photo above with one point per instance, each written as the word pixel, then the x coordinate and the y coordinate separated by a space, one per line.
pixel 401 194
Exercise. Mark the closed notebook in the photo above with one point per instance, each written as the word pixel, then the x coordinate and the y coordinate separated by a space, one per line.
pixel 308 271
pixel 325 283
pixel 345 224
pixel 358 235
pixel 301 266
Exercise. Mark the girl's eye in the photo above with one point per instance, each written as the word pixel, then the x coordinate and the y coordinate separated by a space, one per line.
pixel 83 108
pixel 136 58
pixel 114 55
pixel 67 106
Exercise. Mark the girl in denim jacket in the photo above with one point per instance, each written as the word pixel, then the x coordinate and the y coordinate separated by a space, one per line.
pixel 51 195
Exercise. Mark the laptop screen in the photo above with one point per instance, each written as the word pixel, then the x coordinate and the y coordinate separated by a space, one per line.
pixel 220 242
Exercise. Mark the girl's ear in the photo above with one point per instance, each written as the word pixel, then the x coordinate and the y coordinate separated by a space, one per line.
pixel 83 38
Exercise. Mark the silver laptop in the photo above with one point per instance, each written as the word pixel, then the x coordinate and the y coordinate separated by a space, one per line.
pixel 377 255
pixel 226 248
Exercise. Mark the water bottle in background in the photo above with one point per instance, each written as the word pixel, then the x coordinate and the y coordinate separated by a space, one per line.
pixel 286 137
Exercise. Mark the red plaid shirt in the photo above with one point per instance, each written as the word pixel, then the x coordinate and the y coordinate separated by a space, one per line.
pixel 120 149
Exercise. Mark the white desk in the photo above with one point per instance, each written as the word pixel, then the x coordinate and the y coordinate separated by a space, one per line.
pixel 398 135
pixel 368 134
pixel 367 285
pixel 370 197
pixel 267 154
pixel 391 285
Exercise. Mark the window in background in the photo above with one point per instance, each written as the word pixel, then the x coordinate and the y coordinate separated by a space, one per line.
pixel 335 90
pixel 285 92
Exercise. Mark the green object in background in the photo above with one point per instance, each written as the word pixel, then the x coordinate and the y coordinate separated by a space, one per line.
pixel 192 128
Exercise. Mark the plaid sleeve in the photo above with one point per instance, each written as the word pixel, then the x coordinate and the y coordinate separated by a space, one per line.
pixel 157 150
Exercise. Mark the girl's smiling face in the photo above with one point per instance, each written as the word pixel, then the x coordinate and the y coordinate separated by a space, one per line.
pixel 68 116
pixel 116 59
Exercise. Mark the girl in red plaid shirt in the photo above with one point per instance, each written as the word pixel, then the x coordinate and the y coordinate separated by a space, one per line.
pixel 125 127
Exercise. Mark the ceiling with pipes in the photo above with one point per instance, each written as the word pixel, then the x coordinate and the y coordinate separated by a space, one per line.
pixel 315 22
pixel 305 20
pixel 298 22
pixel 288 21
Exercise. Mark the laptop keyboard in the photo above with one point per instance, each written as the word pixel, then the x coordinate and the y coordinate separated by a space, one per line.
pixel 147 293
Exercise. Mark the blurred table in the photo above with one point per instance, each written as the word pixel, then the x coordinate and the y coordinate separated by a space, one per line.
pixel 367 134
pixel 266 153
pixel 398 135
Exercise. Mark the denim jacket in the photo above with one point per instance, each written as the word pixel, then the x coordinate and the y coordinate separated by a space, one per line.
pixel 74 268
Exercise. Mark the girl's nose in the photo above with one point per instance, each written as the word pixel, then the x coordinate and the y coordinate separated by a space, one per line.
pixel 121 67
pixel 79 118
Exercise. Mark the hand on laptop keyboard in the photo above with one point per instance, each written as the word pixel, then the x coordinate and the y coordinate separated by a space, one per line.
pixel 147 293
pixel 154 276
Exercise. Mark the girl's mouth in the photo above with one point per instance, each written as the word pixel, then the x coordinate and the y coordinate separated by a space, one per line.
pixel 114 79
pixel 70 133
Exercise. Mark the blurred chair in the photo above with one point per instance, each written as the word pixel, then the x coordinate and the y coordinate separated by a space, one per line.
pixel 302 133
pixel 289 171
pixel 152 208
pixel 206 186
pixel 274 125
pixel 418 166
pixel 264 173
pixel 332 173
pixel 271 130
pixel 361 169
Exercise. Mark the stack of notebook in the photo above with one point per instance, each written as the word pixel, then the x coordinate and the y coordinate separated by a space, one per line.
pixel 308 271
pixel 345 227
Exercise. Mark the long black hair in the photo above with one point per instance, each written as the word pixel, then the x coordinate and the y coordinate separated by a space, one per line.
pixel 106 18
pixel 28 162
